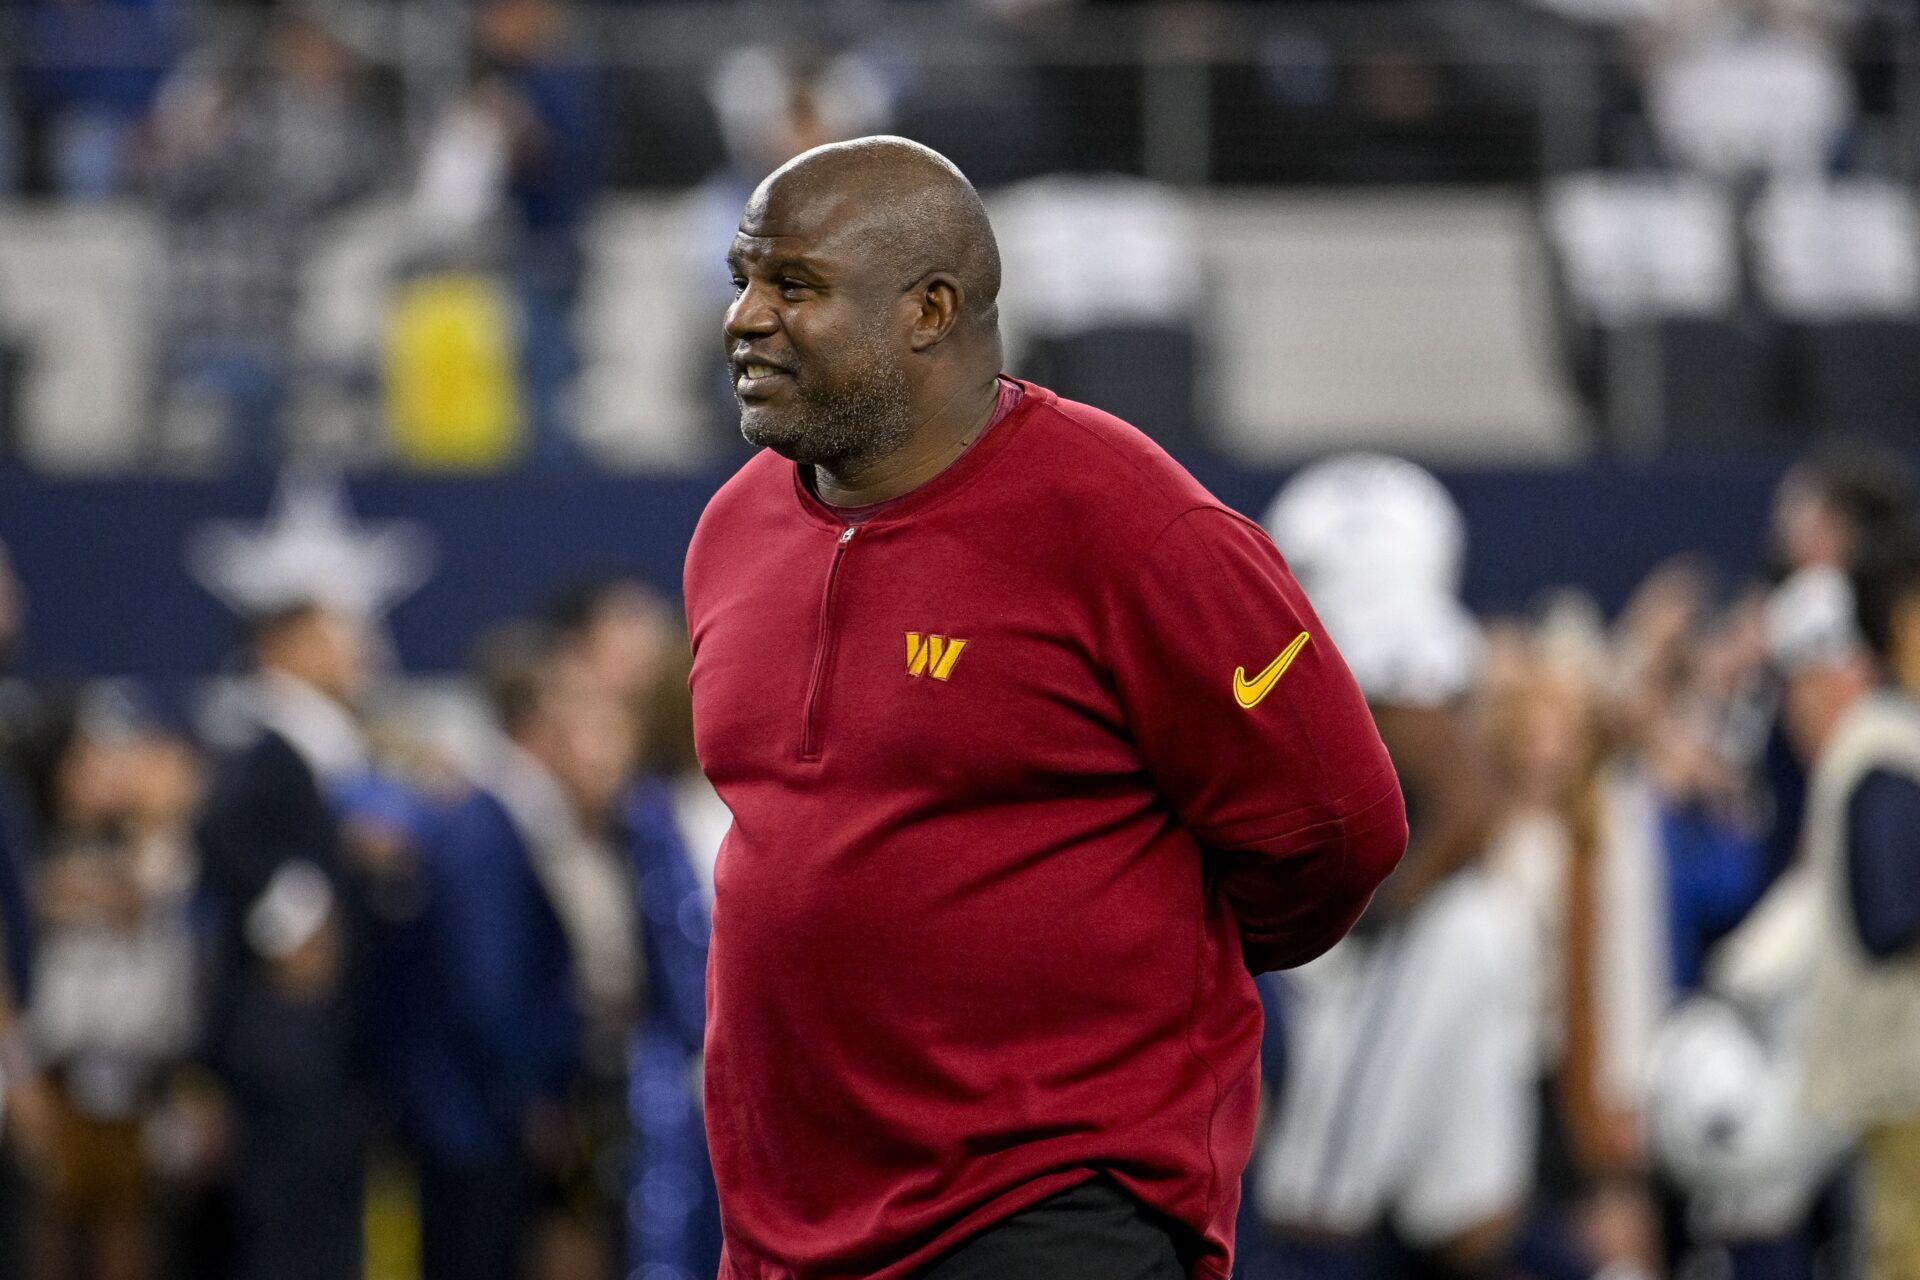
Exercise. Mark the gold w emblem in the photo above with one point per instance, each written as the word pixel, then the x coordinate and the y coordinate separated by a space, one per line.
pixel 932 655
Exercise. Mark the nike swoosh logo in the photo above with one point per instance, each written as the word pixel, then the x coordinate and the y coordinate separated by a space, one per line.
pixel 1248 693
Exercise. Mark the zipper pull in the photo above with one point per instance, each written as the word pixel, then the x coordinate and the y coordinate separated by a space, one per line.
pixel 847 537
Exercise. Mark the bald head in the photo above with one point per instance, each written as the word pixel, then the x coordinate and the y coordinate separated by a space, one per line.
pixel 905 205
pixel 867 283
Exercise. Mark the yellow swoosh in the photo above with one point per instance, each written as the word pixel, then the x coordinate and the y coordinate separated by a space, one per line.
pixel 1248 693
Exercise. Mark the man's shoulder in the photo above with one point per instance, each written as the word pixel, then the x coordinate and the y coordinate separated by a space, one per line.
pixel 739 509
pixel 752 488
pixel 265 765
pixel 1096 465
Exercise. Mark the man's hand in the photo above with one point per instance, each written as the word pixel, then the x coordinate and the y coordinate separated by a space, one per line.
pixel 311 972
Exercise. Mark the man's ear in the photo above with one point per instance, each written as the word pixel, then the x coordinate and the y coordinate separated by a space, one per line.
pixel 938 300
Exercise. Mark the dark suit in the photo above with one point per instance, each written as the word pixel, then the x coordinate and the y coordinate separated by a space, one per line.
pixel 496 1029
pixel 289 1062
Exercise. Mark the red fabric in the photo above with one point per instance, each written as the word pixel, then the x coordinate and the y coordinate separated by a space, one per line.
pixel 1003 404
pixel 974 938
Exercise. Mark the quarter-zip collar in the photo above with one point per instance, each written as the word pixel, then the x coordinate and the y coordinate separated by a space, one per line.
pixel 956 477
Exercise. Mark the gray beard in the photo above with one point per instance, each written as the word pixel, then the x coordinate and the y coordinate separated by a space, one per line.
pixel 850 429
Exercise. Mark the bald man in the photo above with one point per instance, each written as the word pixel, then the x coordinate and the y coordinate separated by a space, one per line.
pixel 1035 754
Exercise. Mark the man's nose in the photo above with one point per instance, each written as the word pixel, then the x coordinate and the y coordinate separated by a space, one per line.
pixel 751 315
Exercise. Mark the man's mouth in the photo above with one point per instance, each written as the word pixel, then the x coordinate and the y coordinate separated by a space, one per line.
pixel 756 378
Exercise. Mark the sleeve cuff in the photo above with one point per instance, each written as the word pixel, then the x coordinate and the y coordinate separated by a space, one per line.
pixel 292 909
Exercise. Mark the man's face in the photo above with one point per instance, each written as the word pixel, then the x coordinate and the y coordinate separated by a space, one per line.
pixel 1814 699
pixel 626 642
pixel 817 336
pixel 1807 528
pixel 327 648
pixel 588 743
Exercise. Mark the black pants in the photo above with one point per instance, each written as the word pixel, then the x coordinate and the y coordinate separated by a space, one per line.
pixel 1095 1231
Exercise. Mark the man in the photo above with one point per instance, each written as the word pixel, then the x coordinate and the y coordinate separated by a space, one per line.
pixel 1843 496
pixel 1033 749
pixel 1431 995
pixel 292 926
pixel 1739 1145
pixel 525 938
pixel 1862 845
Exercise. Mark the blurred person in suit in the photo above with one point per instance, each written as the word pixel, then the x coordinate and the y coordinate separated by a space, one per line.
pixel 289 957
pixel 530 964
pixel 673 1209
pixel 615 632
pixel 619 632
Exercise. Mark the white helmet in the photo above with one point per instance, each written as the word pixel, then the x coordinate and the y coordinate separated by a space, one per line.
pixel 1727 1120
pixel 1405 647
pixel 1811 622
pixel 1373 519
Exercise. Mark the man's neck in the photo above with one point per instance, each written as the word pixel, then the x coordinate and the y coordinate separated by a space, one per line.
pixel 934 446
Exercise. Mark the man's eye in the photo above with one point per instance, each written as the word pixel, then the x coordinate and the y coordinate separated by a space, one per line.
pixel 739 285
pixel 791 289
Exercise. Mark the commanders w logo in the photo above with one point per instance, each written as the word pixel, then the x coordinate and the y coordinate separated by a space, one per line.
pixel 932 655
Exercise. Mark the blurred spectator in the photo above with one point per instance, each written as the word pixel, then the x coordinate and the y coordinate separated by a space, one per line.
pixel 1577 841
pixel 1428 997
pixel 773 103
pixel 91 71
pixel 531 920
pixel 1128 339
pixel 673 1210
pixel 114 1006
pixel 1743 89
pixel 290 952
pixel 1728 1069
pixel 1841 497
pixel 1863 813
pixel 525 148
pixel 248 163
pixel 615 633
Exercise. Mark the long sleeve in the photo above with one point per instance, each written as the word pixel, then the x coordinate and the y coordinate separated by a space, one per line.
pixel 1255 732
pixel 1883 863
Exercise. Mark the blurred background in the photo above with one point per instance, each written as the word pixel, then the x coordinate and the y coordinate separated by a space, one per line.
pixel 359 394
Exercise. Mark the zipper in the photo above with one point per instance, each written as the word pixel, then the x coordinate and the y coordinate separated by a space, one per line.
pixel 823 651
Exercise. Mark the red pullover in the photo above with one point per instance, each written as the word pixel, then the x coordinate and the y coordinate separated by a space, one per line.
pixel 1026 773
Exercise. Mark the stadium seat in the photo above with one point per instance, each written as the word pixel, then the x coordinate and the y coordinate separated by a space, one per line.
pixel 1143 373
pixel 1711 384
pixel 1862 376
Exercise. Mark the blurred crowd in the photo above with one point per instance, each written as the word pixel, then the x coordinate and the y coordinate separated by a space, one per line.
pixel 343 972
pixel 322 983
pixel 1639 1000
pixel 1734 173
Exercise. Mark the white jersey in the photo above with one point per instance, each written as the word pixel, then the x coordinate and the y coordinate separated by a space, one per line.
pixel 1410 1097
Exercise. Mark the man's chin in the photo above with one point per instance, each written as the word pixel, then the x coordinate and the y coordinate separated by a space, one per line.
pixel 768 431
